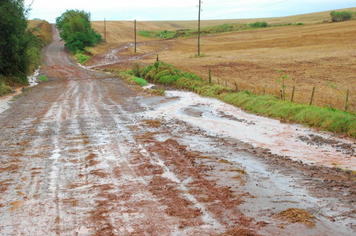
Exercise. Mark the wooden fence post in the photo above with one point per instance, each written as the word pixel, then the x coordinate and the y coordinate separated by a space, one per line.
pixel 312 97
pixel 293 94
pixel 157 59
pixel 347 100
pixel 237 88
pixel 209 76
pixel 264 90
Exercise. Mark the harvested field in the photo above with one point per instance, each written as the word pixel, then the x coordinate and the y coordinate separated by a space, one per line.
pixel 316 54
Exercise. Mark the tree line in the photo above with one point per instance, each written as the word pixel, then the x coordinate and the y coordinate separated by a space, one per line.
pixel 20 45
pixel 16 41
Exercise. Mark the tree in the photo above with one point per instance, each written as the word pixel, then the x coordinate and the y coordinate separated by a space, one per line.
pixel 340 16
pixel 75 29
pixel 14 39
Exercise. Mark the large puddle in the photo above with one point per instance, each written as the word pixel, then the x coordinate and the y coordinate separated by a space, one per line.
pixel 223 120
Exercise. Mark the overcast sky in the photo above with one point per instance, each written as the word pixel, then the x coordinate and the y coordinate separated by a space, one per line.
pixel 182 9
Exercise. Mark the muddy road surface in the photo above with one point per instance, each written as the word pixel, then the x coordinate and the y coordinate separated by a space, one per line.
pixel 87 154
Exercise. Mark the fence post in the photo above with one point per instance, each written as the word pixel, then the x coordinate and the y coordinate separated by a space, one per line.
pixel 281 94
pixel 347 100
pixel 293 94
pixel 157 59
pixel 312 97
pixel 209 76
pixel 264 90
pixel 218 81
pixel 237 88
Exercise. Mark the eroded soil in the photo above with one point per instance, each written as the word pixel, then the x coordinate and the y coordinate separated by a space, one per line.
pixel 87 154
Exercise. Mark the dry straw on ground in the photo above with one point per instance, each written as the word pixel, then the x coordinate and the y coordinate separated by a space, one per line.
pixel 295 215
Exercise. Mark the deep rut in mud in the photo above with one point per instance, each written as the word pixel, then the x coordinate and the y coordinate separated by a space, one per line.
pixel 86 154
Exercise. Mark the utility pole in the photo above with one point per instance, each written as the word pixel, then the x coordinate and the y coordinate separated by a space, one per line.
pixel 105 30
pixel 199 28
pixel 135 36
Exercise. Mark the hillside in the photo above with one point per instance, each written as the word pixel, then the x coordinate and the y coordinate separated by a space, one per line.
pixel 316 54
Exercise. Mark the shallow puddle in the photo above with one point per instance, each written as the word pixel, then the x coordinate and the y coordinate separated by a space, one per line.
pixel 5 103
pixel 223 120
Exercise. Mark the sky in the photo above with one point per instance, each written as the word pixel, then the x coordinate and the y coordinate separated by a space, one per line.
pixel 162 10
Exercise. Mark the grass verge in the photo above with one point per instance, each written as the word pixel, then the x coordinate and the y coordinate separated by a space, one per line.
pixel 81 57
pixel 4 89
pixel 327 119
pixel 131 78
pixel 42 78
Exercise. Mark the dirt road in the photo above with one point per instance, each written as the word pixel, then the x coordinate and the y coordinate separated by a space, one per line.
pixel 86 154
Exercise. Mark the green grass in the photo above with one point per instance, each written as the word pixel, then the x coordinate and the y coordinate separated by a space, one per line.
pixel 42 78
pixel 165 34
pixel 4 89
pixel 319 117
pixel 140 81
pixel 196 55
pixel 131 78
pixel 81 57
pixel 227 27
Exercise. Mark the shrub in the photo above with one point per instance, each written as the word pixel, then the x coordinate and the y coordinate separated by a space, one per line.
pixel 75 29
pixel 18 45
pixel 81 57
pixel 259 24
pixel 341 16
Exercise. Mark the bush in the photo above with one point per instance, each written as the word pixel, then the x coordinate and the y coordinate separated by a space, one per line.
pixel 15 40
pixel 341 16
pixel 75 29
pixel 259 24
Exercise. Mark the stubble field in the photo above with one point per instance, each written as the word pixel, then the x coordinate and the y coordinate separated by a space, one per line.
pixel 316 54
